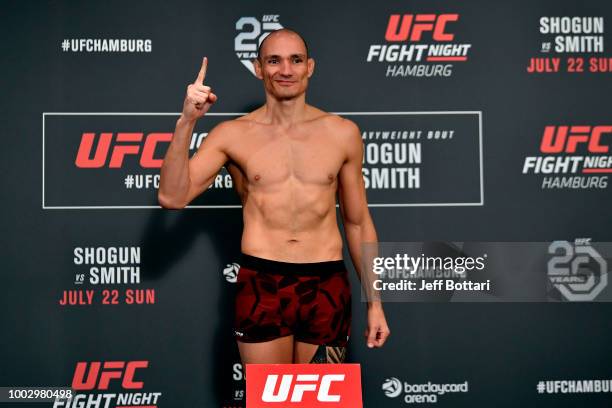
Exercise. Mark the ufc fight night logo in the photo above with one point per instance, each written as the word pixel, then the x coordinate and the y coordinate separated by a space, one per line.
pixel 251 32
pixel 573 157
pixel 123 377
pixel 303 385
pixel 577 271
pixel 424 41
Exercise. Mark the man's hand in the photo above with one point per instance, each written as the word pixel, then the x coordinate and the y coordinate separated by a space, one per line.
pixel 377 331
pixel 199 96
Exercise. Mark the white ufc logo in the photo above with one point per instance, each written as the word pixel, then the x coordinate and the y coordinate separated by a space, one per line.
pixel 303 382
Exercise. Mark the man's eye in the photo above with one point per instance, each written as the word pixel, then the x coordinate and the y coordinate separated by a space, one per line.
pixel 272 61
pixel 297 60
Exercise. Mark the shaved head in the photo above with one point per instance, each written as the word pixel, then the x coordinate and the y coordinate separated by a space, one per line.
pixel 276 32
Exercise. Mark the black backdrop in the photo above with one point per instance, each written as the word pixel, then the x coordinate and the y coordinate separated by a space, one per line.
pixel 473 190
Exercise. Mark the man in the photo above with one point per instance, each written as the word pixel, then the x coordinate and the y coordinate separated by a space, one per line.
pixel 287 160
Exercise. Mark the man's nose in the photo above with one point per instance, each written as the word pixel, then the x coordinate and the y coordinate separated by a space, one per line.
pixel 285 68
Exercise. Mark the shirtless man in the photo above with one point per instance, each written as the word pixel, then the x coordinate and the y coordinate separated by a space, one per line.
pixel 287 160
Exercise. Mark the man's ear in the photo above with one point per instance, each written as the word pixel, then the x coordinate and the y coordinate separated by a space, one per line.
pixel 311 65
pixel 257 65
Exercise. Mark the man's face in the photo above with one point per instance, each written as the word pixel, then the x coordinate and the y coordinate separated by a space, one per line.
pixel 283 66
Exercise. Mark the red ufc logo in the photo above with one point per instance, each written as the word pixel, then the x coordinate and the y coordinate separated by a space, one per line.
pixel 111 370
pixel 303 385
pixel 558 139
pixel 303 382
pixel 119 151
pixel 411 27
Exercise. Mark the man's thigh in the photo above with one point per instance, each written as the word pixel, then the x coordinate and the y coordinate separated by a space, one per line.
pixel 306 353
pixel 277 351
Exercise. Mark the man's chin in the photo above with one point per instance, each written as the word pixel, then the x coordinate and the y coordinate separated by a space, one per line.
pixel 287 94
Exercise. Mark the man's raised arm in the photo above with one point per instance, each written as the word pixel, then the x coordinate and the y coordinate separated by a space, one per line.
pixel 182 179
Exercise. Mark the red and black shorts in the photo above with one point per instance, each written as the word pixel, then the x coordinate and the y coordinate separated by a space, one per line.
pixel 312 301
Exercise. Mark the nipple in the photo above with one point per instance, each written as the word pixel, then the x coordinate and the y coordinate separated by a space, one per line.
pixel 257 177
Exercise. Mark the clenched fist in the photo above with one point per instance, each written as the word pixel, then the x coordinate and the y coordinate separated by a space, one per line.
pixel 199 97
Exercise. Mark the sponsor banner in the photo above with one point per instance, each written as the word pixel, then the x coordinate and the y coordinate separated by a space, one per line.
pixel 420 45
pixel 419 393
pixel 112 160
pixel 303 385
pixel 487 271
pixel 572 157
pixel 110 384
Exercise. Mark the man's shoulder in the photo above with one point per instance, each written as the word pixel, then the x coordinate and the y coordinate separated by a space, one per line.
pixel 339 124
pixel 229 127
pixel 224 134
pixel 345 130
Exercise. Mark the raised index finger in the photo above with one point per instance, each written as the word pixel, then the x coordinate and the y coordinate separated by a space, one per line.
pixel 202 73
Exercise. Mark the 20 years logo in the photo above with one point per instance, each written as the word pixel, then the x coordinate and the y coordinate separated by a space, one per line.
pixel 577 271
pixel 251 32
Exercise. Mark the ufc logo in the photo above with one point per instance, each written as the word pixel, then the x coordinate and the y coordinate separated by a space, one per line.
pixel 567 138
pixel 411 27
pixel 304 382
pixel 270 18
pixel 112 370
pixel 303 386
pixel 132 146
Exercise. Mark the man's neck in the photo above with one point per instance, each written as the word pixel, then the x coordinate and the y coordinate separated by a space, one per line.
pixel 285 112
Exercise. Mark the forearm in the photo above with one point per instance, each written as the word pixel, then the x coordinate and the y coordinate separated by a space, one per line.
pixel 174 180
pixel 362 255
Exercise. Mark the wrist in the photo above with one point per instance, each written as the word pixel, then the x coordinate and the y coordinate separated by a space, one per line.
pixel 183 120
pixel 375 305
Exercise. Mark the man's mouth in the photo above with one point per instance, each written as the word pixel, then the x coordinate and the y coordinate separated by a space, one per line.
pixel 284 82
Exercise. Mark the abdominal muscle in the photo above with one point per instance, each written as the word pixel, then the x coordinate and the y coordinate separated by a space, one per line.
pixel 291 222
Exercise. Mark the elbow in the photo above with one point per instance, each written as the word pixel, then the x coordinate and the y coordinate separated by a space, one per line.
pixel 362 227
pixel 168 203
pixel 356 220
pixel 353 229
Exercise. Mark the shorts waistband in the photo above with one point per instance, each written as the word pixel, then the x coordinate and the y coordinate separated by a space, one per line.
pixel 279 267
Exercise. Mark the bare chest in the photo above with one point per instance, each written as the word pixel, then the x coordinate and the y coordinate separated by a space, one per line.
pixel 269 157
